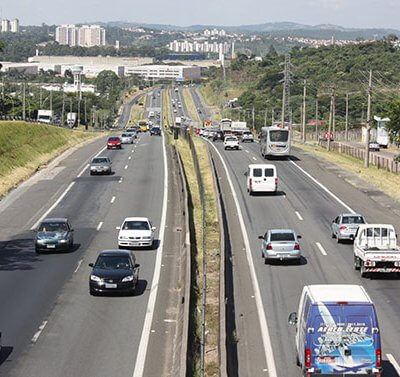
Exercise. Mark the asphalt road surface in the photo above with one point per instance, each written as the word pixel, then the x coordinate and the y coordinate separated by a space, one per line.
pixel 51 325
pixel 306 207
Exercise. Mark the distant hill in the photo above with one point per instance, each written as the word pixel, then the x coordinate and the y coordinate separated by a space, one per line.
pixel 276 28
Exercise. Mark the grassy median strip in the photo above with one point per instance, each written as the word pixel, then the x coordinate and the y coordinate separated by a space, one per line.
pixel 213 258
pixel 190 106
pixel 25 147
pixel 385 181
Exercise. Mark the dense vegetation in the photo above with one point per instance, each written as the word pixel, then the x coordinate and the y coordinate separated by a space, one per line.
pixel 343 68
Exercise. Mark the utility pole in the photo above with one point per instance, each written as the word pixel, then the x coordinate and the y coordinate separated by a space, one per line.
pixel 252 114
pixel 272 116
pixel 51 100
pixel 265 117
pixel 366 161
pixel 304 110
pixel 86 124
pixel 63 109
pixel 23 101
pixel 346 132
pixel 287 80
pixel 79 111
pixel 40 97
pixel 334 115
pixel 330 121
pixel 316 117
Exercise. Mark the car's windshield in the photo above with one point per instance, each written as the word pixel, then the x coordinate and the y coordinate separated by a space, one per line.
pixel 99 161
pixel 136 225
pixel 53 227
pixel 113 139
pixel 284 236
pixel 110 262
pixel 353 220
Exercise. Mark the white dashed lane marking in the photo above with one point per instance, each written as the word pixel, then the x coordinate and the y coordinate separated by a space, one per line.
pixel 99 226
pixel 321 249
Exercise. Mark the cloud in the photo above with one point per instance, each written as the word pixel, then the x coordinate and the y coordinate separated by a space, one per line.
pixel 328 4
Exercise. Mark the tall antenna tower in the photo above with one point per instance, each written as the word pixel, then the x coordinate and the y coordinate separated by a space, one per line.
pixel 287 81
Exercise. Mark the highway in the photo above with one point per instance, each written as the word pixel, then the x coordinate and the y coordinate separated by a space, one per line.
pixel 305 206
pixel 51 325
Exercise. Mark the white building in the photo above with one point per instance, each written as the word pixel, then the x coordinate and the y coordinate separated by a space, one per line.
pixel 15 25
pixel 167 72
pixel 5 25
pixel 85 36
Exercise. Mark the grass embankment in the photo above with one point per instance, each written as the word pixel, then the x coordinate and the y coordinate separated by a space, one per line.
pixel 215 99
pixel 213 258
pixel 137 112
pixel 385 181
pixel 25 147
pixel 190 106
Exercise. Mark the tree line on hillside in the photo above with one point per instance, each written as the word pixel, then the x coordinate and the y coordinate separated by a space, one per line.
pixel 343 70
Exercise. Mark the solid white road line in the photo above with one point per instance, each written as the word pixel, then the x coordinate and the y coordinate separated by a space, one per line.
pixel 37 333
pixel 321 249
pixel 82 171
pixel 324 188
pixel 55 204
pixel 126 167
pixel 99 226
pixel 394 363
pixel 144 339
pixel 269 354
pixel 112 199
pixel 299 216
pixel 246 151
pixel 77 267
pixel 129 157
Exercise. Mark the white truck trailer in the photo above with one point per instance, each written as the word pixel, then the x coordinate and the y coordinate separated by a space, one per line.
pixel 45 116
pixel 71 119
pixel 375 249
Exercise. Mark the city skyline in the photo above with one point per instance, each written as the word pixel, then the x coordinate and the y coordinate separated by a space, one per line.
pixel 209 12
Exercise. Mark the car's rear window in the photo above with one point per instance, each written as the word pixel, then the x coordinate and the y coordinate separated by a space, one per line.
pixel 113 139
pixel 269 172
pixel 353 220
pixel 136 225
pixel 257 172
pixel 284 236
pixel 231 139
pixel 126 135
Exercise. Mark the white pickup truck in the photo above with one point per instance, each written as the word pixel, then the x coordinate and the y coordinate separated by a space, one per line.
pixel 231 142
pixel 375 249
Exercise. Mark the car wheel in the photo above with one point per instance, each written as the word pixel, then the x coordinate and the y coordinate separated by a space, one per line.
pixel 91 173
pixel 338 239
pixel 37 250
pixel 356 263
pixel 297 360
pixel 363 270
pixel 333 235
pixel 92 292
pixel 265 260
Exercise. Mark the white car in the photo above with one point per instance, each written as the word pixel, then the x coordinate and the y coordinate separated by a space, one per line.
pixel 231 142
pixel 126 138
pixel 136 232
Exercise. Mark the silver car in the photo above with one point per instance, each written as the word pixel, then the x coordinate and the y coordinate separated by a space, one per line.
pixel 100 165
pixel 247 137
pixel 281 245
pixel 126 138
pixel 345 226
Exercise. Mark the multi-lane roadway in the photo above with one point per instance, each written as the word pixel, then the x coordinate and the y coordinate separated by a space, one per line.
pixel 311 194
pixel 51 326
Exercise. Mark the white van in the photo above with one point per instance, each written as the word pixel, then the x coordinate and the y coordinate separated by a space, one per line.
pixel 337 332
pixel 262 178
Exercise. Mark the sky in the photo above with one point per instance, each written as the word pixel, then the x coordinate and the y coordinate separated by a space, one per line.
pixel 348 13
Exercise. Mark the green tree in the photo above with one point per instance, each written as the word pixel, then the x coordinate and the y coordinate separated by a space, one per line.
pixel 107 81
pixel 393 112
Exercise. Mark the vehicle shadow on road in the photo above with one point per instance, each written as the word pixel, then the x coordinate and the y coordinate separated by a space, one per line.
pixel 99 178
pixel 5 353
pixel 278 193
pixel 288 263
pixel 17 254
pixel 388 369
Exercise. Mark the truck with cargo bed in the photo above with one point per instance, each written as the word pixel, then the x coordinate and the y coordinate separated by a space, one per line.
pixel 375 249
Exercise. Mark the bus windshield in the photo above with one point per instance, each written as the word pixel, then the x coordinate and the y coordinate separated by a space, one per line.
pixel 279 135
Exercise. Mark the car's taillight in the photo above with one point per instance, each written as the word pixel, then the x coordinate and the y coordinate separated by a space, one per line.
pixel 269 246
pixel 250 183
pixel 297 246
pixel 307 358
pixel 343 227
pixel 378 358
pixel 276 181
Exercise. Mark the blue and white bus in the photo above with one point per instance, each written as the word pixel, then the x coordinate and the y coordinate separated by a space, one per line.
pixel 275 141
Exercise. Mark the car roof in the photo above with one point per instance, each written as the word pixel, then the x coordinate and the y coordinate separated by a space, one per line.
pixel 100 157
pixel 55 220
pixel 350 214
pixel 337 293
pixel 136 219
pixel 116 252
pixel 282 231
pixel 255 166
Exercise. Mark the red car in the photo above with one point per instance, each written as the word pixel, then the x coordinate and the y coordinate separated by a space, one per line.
pixel 114 142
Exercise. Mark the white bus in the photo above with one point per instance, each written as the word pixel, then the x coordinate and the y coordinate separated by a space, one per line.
pixel 275 141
